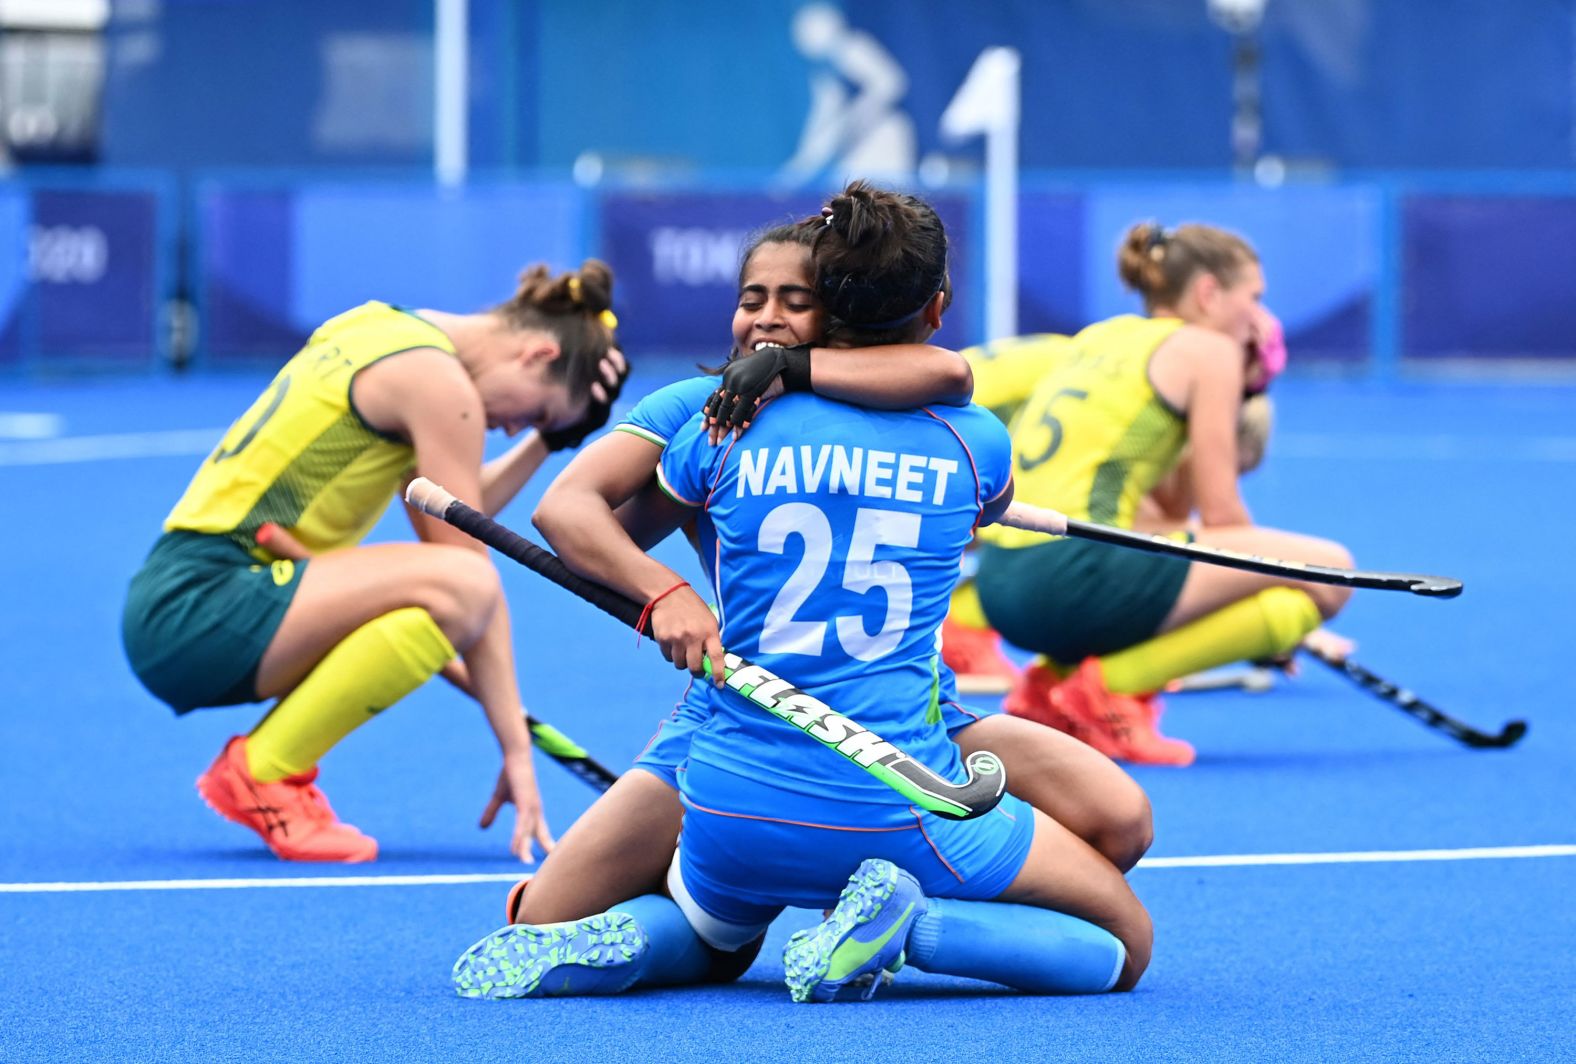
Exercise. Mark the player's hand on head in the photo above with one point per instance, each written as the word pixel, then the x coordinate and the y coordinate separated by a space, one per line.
pixel 614 370
pixel 752 379
pixel 685 630
pixel 517 784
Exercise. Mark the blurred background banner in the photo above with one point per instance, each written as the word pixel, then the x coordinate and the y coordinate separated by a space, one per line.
pixel 1351 84
pixel 677 257
pixel 1489 276
pixel 678 263
pixel 202 181
pixel 1318 245
pixel 82 275
pixel 277 260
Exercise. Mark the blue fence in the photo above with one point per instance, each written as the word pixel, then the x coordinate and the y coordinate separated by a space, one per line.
pixel 1375 275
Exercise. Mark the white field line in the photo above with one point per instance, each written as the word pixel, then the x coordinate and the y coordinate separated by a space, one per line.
pixel 1216 861
pixel 114 445
pixel 1249 860
pixel 22 426
pixel 263 882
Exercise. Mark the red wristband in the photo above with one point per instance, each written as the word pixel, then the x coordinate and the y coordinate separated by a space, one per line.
pixel 645 614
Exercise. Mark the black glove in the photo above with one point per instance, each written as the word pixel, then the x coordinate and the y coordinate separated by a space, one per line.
pixel 746 378
pixel 597 412
pixel 573 436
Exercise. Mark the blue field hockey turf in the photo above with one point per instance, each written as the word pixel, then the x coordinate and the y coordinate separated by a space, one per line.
pixel 1362 957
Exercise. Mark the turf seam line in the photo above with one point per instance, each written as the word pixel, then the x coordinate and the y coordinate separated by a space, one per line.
pixel 1249 860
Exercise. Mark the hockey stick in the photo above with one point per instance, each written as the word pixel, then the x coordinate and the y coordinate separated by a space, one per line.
pixel 548 739
pixel 564 750
pixel 978 794
pixel 1408 702
pixel 1253 679
pixel 1039 519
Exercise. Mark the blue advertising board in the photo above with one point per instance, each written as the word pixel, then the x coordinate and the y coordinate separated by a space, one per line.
pixel 277 261
pixel 1488 276
pixel 15 213
pixel 81 276
pixel 676 259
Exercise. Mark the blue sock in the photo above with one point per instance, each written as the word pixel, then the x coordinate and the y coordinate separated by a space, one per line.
pixel 1019 946
pixel 675 955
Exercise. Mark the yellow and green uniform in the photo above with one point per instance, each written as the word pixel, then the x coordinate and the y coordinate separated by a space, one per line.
pixel 1091 440
pixel 1006 372
pixel 207 601
pixel 1005 375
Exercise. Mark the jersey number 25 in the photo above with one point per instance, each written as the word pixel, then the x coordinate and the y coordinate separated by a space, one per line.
pixel 783 634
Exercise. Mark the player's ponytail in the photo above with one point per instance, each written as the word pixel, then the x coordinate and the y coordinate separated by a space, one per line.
pixel 576 308
pixel 880 258
pixel 1159 263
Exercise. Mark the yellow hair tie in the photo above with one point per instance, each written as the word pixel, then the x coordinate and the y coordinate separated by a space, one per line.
pixel 574 289
pixel 608 318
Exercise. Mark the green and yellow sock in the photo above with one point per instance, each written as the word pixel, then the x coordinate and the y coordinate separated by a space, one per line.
pixel 372 668
pixel 1259 626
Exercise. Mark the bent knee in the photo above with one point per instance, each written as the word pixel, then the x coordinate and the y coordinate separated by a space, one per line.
pixel 461 592
pixel 1330 599
pixel 1138 939
pixel 1127 829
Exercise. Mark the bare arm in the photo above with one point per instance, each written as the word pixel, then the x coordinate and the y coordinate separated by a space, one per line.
pixel 1214 397
pixel 504 476
pixel 428 398
pixel 1169 506
pixel 576 516
pixel 897 377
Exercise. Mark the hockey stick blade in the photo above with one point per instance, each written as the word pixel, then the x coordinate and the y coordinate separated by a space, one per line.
pixel 1408 702
pixel 978 794
pixel 1039 519
pixel 570 754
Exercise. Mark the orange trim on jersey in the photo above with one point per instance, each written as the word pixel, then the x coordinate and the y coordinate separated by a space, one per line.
pixel 721 468
pixel 662 482
pixel 979 505
pixel 945 863
pixel 965 710
pixel 793 823
pixel 677 708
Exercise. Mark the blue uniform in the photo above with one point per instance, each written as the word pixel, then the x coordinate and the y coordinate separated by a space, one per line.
pixel 837 534
pixel 658 418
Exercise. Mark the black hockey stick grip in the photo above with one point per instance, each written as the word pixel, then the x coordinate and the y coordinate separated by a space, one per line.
pixel 978 794
pixel 1040 519
pixel 427 497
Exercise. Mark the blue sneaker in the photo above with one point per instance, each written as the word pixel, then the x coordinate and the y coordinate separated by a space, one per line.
pixel 864 937
pixel 597 955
